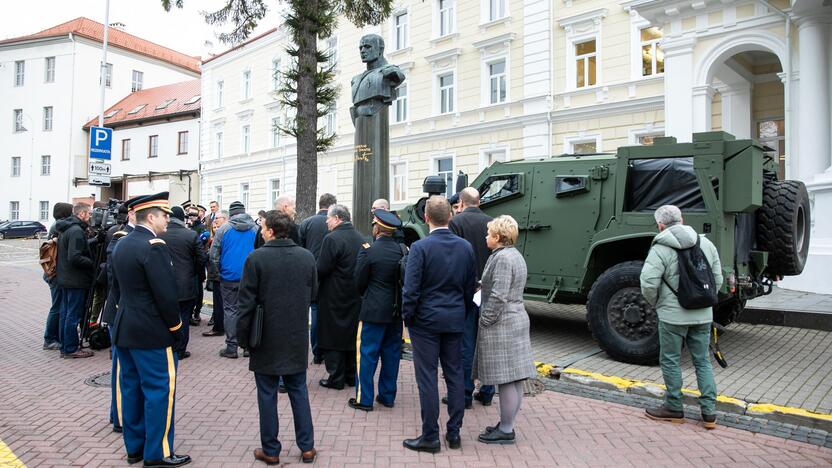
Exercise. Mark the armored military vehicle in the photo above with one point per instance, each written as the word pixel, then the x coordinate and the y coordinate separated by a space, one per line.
pixel 586 225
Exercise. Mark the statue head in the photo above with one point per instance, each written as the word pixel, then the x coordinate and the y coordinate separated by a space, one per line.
pixel 371 48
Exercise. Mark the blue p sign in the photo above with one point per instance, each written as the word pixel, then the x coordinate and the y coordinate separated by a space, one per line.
pixel 101 142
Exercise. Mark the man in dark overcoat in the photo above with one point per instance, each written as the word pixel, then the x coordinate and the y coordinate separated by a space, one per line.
pixel 281 278
pixel 380 324
pixel 338 301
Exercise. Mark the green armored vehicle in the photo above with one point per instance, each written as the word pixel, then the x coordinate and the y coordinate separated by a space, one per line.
pixel 586 224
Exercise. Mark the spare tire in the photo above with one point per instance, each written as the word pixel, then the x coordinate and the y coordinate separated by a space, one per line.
pixel 783 225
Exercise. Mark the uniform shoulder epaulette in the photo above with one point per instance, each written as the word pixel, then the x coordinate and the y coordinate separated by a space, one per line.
pixel 119 233
pixel 366 245
pixel 156 241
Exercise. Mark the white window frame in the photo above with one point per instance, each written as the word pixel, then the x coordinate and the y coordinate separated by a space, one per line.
pixel 123 147
pixel 330 121
pixel 45 164
pixel 486 18
pixel 486 79
pixel 245 85
pixel 581 28
pixel 14 210
pixel 219 95
pixel 403 102
pixel 49 70
pixel 438 98
pixel 637 23
pixel 107 71
pixel 438 19
pixel 271 191
pixel 274 133
pixel 573 65
pixel 179 141
pixel 19 73
pixel 275 73
pixel 16 164
pixel 569 142
pixel 48 118
pixel 245 139
pixel 392 195
pixel 434 170
pixel 395 29
pixel 137 81
pixel 491 150
pixel 244 196
pixel 332 48
pixel 635 134
pixel 44 210
pixel 218 195
pixel 218 143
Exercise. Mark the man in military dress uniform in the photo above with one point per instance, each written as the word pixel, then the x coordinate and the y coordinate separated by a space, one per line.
pixel 380 323
pixel 144 333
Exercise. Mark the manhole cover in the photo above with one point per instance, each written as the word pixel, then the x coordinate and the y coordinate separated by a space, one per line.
pixel 99 380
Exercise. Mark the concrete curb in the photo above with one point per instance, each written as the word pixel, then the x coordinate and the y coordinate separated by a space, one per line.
pixel 727 404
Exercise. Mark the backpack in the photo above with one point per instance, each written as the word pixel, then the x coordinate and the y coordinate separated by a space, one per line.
pixel 397 310
pixel 48 255
pixel 697 286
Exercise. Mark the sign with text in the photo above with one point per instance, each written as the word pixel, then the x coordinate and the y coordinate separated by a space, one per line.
pixel 101 142
pixel 100 180
pixel 99 168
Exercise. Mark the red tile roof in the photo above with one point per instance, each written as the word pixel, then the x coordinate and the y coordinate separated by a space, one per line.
pixel 242 44
pixel 152 98
pixel 93 30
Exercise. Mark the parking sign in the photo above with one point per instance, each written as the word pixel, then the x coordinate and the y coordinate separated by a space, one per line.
pixel 101 142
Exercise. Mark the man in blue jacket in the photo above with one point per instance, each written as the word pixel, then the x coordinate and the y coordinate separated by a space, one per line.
pixel 440 281
pixel 232 244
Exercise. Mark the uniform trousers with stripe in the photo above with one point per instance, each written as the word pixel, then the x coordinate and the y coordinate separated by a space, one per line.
pixel 115 414
pixel 147 386
pixel 378 341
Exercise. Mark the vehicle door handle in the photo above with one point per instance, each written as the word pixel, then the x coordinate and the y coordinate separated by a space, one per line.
pixel 538 227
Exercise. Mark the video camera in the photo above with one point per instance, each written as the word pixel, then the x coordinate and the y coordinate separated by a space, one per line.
pixel 104 218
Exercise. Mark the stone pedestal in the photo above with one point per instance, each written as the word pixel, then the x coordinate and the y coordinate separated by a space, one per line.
pixel 371 173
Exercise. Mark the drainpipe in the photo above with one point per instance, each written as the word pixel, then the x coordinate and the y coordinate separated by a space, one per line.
pixel 551 97
pixel 787 84
pixel 70 160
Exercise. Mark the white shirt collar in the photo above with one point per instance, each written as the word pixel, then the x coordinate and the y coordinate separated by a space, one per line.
pixel 437 228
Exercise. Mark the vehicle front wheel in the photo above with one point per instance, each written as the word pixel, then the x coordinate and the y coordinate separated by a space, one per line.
pixel 622 322
pixel 2 236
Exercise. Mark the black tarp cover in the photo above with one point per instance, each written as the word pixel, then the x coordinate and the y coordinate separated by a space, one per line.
pixel 668 181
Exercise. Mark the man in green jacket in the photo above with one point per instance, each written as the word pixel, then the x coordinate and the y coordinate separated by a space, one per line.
pixel 678 325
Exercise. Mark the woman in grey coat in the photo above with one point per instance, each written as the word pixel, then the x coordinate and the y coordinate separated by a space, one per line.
pixel 503 355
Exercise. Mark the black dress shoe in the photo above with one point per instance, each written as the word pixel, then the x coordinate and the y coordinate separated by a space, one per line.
pixel 135 458
pixel 246 353
pixel 184 355
pixel 213 333
pixel 327 384
pixel 282 389
pixel 356 405
pixel 195 321
pixel 468 404
pixel 317 360
pixel 491 428
pixel 420 445
pixel 454 442
pixel 118 429
pixel 382 403
pixel 173 460
pixel 485 400
pixel 497 437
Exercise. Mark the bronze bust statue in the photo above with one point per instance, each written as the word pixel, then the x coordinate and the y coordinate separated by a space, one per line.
pixel 376 87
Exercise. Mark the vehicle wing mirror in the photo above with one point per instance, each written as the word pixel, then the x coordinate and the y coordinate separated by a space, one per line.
pixel 461 181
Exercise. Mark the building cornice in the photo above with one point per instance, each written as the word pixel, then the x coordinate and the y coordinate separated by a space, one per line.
pixel 594 16
pixel 501 40
pixel 444 55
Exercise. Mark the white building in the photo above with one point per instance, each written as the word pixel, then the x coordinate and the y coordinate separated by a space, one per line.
pixel 155 143
pixel 49 88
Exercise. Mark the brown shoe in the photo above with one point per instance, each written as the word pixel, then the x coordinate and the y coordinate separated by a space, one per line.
pixel 81 353
pixel 663 413
pixel 259 454
pixel 309 456
pixel 709 421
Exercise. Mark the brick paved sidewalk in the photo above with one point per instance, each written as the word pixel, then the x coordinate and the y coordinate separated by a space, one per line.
pixel 50 417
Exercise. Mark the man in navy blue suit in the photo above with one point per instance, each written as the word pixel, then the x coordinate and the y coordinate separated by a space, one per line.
pixel 440 281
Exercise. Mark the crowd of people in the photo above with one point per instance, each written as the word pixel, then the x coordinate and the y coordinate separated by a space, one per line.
pixel 459 292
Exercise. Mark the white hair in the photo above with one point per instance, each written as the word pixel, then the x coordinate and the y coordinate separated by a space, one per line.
pixel 668 215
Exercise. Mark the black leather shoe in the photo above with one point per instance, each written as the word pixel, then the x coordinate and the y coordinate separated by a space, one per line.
pixel 184 355
pixel 497 437
pixel 419 445
pixel 468 404
pixel 327 384
pixel 211 322
pixel 485 400
pixel 382 403
pixel 228 354
pixel 173 460
pixel 282 389
pixel 356 405
pixel 246 353
pixel 118 429
pixel 317 360
pixel 454 442
pixel 135 458
pixel 213 333
pixel 491 428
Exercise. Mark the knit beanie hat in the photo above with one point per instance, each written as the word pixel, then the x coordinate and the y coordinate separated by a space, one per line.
pixel 61 210
pixel 177 212
pixel 236 208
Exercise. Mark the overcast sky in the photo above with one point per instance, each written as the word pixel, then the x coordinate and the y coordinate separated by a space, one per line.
pixel 183 30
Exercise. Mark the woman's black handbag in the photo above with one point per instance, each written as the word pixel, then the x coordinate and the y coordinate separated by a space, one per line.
pixel 256 333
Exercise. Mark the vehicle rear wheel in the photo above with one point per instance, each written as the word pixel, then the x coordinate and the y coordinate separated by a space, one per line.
pixel 2 235
pixel 622 322
pixel 783 225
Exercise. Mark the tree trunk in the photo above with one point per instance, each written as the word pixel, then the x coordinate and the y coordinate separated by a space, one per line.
pixel 307 154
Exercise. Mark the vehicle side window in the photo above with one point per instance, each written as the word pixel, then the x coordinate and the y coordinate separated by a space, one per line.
pixel 652 183
pixel 501 187
pixel 571 185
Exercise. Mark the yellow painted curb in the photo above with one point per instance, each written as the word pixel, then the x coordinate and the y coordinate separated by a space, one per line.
pixel 8 459
pixel 624 384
